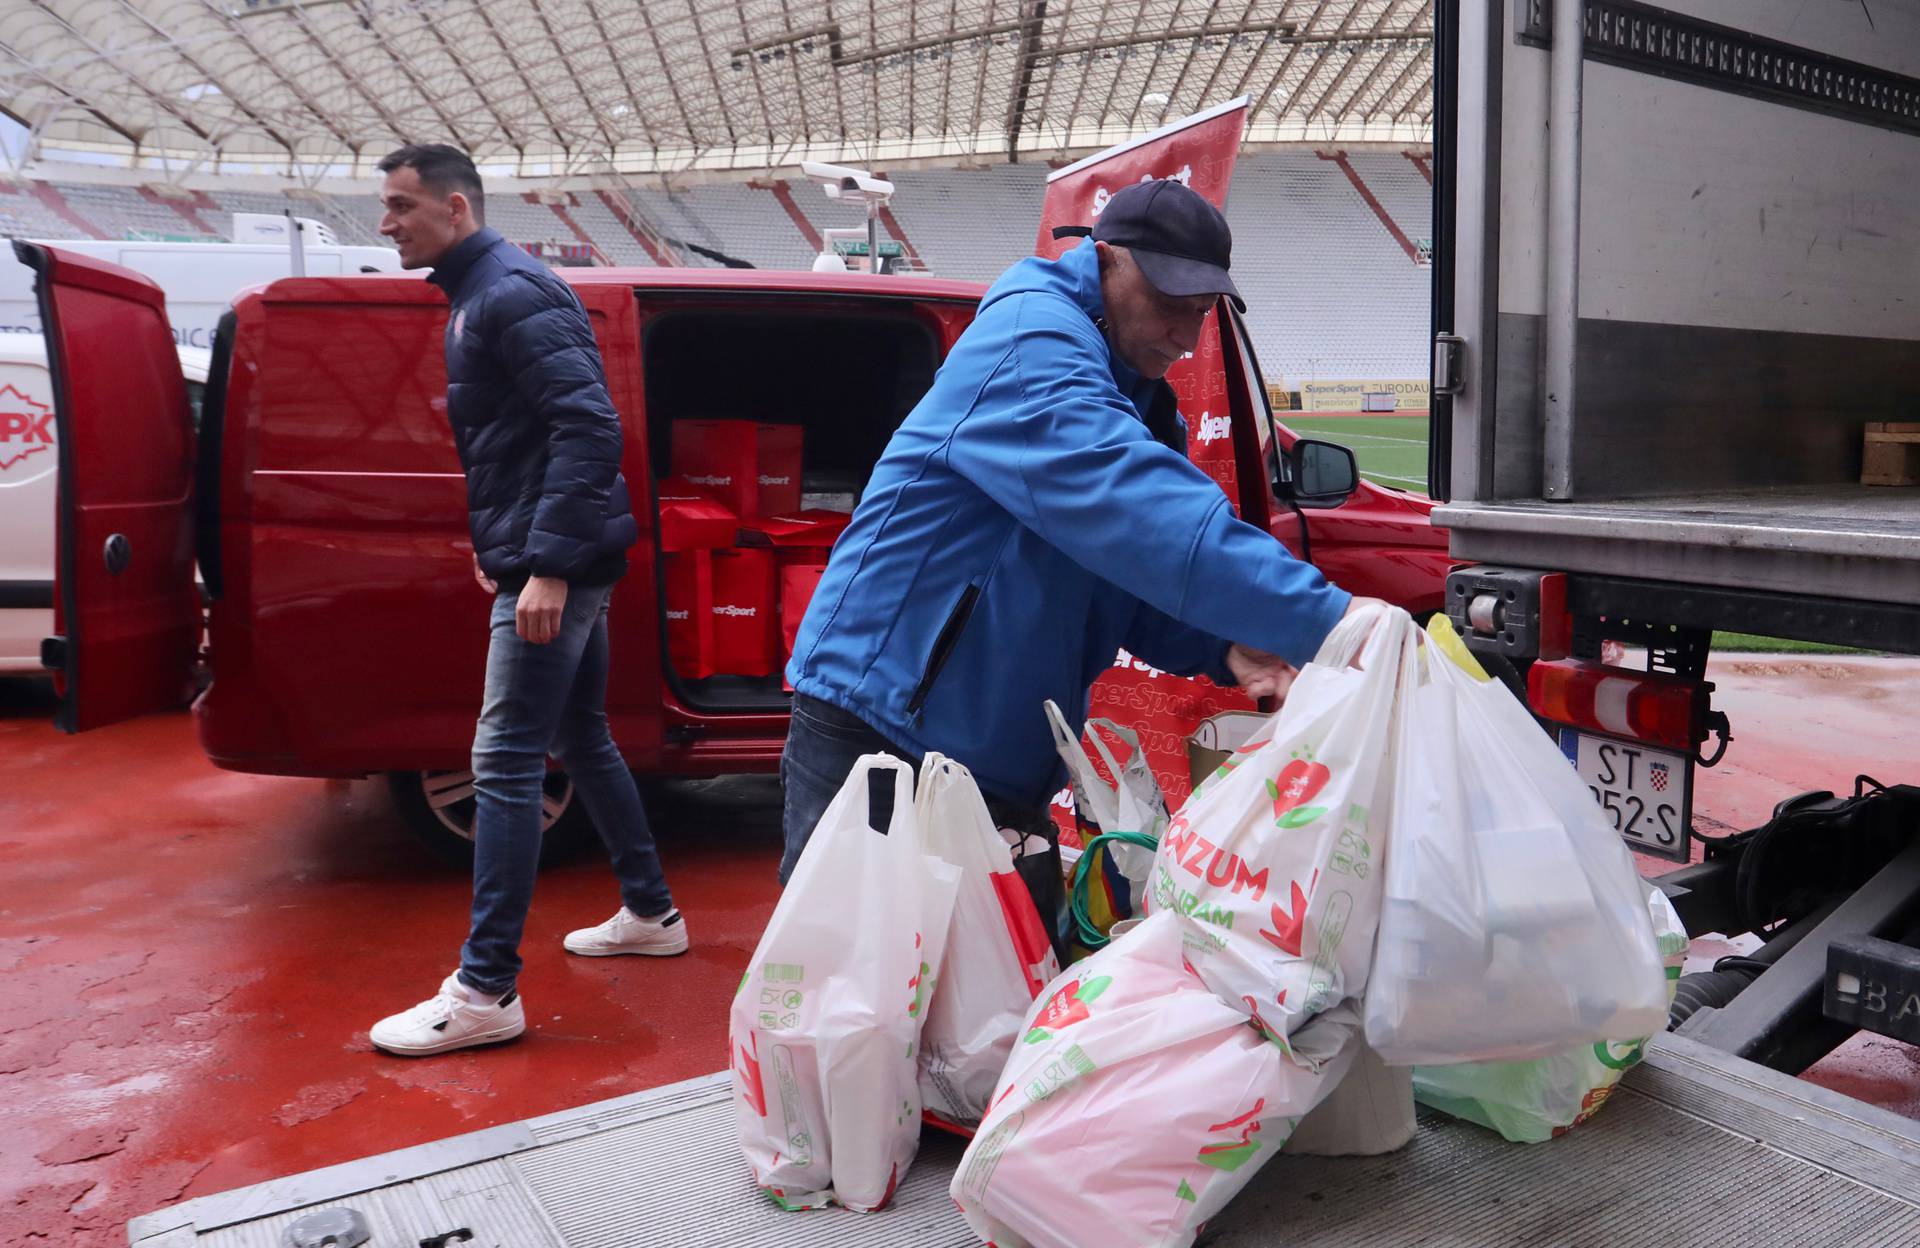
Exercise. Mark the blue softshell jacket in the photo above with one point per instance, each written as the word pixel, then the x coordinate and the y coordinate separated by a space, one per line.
pixel 537 432
pixel 1023 525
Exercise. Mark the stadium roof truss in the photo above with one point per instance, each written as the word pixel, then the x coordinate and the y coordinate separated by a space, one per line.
pixel 565 87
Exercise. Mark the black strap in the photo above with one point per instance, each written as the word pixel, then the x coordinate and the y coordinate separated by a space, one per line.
pixel 1073 231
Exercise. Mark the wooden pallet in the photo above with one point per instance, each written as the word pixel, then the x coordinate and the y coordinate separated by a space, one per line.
pixel 1892 454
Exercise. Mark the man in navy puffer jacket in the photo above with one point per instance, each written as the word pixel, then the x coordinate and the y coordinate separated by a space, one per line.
pixel 547 507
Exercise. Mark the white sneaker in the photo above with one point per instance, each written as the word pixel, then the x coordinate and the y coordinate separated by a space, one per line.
pixel 627 932
pixel 449 1020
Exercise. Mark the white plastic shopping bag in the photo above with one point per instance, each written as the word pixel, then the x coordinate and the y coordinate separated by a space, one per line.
pixel 997 956
pixel 1530 1102
pixel 1137 1104
pixel 1277 860
pixel 825 1026
pixel 1513 925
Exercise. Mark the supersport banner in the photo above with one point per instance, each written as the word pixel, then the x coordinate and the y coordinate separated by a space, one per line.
pixel 1198 151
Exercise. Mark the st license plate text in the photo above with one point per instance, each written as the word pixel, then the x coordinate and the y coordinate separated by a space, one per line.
pixel 1643 791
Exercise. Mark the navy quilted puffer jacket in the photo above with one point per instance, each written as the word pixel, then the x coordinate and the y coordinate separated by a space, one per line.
pixel 537 432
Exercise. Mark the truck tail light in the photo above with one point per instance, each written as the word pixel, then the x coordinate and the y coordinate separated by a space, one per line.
pixel 1660 710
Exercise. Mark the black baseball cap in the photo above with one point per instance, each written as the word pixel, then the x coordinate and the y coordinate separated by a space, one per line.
pixel 1180 241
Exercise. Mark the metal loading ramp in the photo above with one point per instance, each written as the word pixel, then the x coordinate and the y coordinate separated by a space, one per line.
pixel 1696 1147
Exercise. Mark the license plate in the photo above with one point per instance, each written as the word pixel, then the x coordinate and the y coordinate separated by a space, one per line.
pixel 1646 793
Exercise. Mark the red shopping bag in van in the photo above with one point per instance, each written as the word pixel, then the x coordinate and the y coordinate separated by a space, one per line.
pixel 689 586
pixel 722 457
pixel 798 580
pixel 746 636
pixel 692 519
pixel 810 529
pixel 778 451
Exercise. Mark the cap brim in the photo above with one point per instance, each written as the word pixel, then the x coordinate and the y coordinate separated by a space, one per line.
pixel 1180 277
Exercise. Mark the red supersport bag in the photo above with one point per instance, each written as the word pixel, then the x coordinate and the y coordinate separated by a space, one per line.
pixel 778 453
pixel 692 519
pixel 746 637
pixel 689 584
pixel 798 580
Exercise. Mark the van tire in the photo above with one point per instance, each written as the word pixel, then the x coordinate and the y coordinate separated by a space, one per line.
pixel 438 808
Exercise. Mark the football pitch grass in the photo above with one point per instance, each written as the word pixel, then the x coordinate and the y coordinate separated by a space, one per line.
pixel 1391 450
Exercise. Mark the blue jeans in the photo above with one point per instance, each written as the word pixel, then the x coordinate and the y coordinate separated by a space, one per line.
pixel 823 744
pixel 543 700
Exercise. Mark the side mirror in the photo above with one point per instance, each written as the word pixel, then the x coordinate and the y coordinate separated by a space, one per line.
pixel 1324 474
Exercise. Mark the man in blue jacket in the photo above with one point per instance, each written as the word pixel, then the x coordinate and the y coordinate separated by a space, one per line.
pixel 1035 513
pixel 547 507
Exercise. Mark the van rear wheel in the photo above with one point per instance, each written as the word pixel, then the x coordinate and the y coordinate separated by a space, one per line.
pixel 439 808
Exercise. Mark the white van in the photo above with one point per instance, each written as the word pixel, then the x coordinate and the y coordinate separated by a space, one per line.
pixel 199 279
pixel 29 477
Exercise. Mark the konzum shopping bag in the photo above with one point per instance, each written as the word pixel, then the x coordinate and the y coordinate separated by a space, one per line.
pixel 1137 1104
pixel 1530 1102
pixel 824 1030
pixel 997 956
pixel 1514 926
pixel 1277 861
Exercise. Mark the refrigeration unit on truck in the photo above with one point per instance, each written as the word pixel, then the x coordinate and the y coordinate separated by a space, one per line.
pixel 1682 344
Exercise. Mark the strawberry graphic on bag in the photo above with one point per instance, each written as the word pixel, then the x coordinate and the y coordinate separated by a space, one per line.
pixel 1298 782
pixel 1066 1007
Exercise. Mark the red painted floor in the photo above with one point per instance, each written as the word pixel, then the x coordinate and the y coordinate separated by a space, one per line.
pixel 190 959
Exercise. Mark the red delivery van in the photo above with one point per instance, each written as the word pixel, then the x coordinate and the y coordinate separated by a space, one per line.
pixel 322 500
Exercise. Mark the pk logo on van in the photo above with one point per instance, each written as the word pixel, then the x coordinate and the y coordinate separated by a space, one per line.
pixel 26 427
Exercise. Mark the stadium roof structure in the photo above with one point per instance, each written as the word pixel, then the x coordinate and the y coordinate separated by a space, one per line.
pixel 557 88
